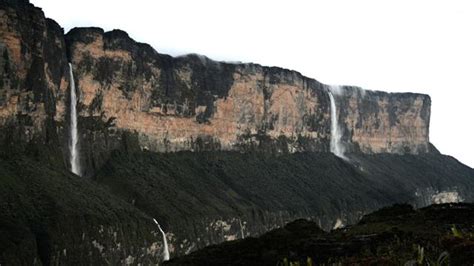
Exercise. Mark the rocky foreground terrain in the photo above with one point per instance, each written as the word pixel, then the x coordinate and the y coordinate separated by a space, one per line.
pixel 397 235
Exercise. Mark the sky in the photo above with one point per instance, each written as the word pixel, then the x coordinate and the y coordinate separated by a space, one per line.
pixel 424 46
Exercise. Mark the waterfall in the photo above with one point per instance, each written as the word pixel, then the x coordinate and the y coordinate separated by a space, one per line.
pixel 166 253
pixel 336 146
pixel 241 229
pixel 73 143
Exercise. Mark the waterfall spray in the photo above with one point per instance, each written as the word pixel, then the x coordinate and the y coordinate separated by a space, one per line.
pixel 336 146
pixel 166 253
pixel 73 144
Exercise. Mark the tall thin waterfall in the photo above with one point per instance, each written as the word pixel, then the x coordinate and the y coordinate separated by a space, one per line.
pixel 336 146
pixel 73 142
pixel 166 253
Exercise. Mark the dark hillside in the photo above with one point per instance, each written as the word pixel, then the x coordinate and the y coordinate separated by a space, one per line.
pixel 254 192
pixel 398 235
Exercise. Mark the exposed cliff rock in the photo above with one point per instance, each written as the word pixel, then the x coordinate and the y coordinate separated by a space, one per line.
pixel 194 103
pixel 32 71
pixel 379 122
pixel 184 103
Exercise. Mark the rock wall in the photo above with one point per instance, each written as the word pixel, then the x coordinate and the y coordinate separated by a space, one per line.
pixel 194 103
pixel 380 122
pixel 183 103
pixel 32 71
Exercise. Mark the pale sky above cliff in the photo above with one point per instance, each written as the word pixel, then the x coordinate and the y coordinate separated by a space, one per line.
pixel 424 46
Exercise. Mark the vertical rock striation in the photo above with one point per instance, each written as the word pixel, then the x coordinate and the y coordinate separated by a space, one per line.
pixel 194 103
pixel 380 122
pixel 33 72
pixel 169 104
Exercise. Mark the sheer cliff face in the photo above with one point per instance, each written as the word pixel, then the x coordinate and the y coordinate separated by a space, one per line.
pixel 379 122
pixel 32 72
pixel 193 103
pixel 183 103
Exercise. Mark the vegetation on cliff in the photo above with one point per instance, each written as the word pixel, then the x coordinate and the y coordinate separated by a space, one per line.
pixel 50 216
pixel 187 191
